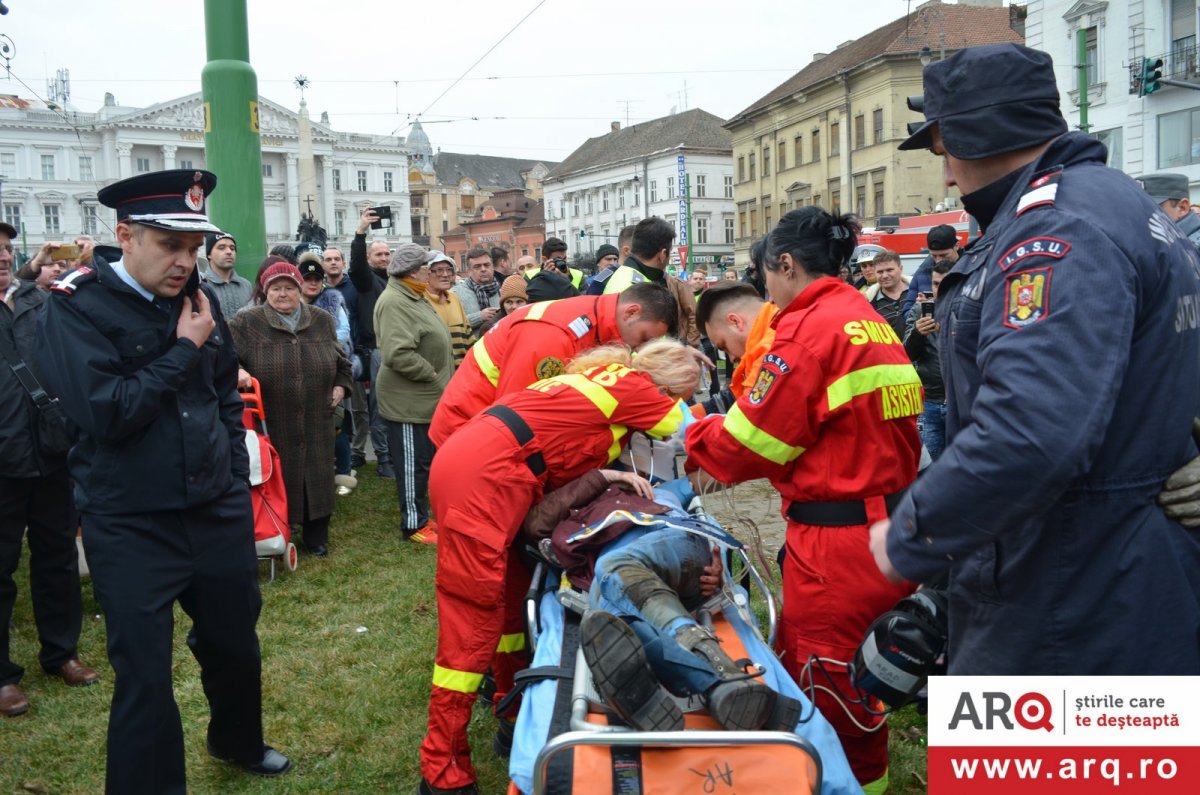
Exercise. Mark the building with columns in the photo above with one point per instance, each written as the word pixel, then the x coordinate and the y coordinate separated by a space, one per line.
pixel 53 161
pixel 619 178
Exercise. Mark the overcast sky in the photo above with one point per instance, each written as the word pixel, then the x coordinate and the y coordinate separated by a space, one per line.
pixel 560 77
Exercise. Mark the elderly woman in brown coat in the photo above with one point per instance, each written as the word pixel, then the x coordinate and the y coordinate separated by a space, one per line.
pixel 292 349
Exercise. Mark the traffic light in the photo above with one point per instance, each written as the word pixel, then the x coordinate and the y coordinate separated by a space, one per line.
pixel 582 235
pixel 1151 76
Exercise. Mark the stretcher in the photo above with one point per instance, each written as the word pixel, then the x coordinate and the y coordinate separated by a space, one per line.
pixel 564 743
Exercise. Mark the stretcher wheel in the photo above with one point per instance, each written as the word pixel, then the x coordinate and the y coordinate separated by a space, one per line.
pixel 291 557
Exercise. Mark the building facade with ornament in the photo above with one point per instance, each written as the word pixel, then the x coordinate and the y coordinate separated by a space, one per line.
pixel 510 219
pixel 628 174
pixel 54 160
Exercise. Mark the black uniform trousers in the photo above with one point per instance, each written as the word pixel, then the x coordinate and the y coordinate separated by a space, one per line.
pixel 45 505
pixel 140 565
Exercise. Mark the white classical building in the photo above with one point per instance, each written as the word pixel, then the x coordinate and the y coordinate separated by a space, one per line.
pixel 53 161
pixel 1144 134
pixel 633 173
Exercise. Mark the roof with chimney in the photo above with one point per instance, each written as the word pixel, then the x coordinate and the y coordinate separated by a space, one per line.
pixel 486 171
pixel 934 25
pixel 692 129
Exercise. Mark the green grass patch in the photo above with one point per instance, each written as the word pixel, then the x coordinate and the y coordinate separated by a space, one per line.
pixel 348 707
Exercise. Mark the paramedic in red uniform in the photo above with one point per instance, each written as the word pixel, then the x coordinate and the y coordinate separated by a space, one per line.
pixel 528 442
pixel 536 341
pixel 831 422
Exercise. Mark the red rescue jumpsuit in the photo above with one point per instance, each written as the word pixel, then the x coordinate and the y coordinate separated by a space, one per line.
pixel 482 484
pixel 534 342
pixel 831 418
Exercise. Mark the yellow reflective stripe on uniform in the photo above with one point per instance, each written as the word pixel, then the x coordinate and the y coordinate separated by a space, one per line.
pixel 623 277
pixel 668 424
pixel 511 643
pixel 868 379
pixel 538 309
pixel 484 360
pixel 600 397
pixel 614 450
pixel 754 438
pixel 459 681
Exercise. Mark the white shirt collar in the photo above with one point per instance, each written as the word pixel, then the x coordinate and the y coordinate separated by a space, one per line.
pixel 119 269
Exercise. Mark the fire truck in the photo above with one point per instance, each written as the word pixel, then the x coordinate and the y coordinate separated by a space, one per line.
pixel 906 236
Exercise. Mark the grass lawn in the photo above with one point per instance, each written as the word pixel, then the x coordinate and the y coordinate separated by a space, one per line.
pixel 347 646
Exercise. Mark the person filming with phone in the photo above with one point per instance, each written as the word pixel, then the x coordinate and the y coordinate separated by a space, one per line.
pixel 920 341
pixel 368 274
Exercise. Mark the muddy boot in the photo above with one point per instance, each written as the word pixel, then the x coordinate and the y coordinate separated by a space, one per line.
pixel 623 676
pixel 737 702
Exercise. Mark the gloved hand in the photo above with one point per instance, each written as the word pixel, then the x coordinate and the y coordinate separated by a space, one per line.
pixel 1180 497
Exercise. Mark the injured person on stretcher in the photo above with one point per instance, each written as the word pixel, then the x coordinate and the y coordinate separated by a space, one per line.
pixel 638 635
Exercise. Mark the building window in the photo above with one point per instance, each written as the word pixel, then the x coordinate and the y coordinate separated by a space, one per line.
pixel 754 222
pixel 741 168
pixel 91 223
pixel 339 222
pixel 741 223
pixel 653 191
pixel 12 216
pixel 268 170
pixel 418 201
pixel 8 162
pixel 835 202
pixel 816 200
pixel 467 202
pixel 86 173
pixel 51 217
pixel 701 231
pixel 701 186
pixel 860 200
pixel 637 198
pixel 752 169
pixel 1112 141
pixel 590 204
pixel 562 208
pixel 445 226
pixel 604 201
pixel 877 124
pixel 782 164
pixel 766 161
pixel 620 197
pixel 766 219
pixel 1090 60
pixel 860 131
pixel 835 139
pixel 337 179
pixel 879 209
pixel 48 166
pixel 185 164
pixel 143 165
pixel 729 187
pixel 671 187
pixel 671 220
pixel 387 182
pixel 798 152
pixel 729 231
pixel 362 180
pixel 575 206
pixel 1179 138
pixel 816 145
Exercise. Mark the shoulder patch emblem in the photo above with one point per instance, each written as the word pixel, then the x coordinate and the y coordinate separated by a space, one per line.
pixel 68 282
pixel 1042 190
pixel 580 326
pixel 766 379
pixel 548 367
pixel 1034 247
pixel 1027 298
pixel 778 361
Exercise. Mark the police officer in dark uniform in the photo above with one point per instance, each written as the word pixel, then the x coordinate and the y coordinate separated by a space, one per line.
pixel 161 471
pixel 1070 351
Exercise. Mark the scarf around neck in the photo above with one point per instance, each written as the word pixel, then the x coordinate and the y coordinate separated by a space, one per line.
pixel 414 285
pixel 484 292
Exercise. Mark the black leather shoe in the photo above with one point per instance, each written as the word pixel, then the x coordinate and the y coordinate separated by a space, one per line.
pixel 318 551
pixel 428 789
pixel 272 763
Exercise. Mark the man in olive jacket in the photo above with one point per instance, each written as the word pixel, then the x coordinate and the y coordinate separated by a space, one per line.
pixel 416 364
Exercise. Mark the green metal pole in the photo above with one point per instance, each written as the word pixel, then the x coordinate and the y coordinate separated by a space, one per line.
pixel 1081 41
pixel 232 143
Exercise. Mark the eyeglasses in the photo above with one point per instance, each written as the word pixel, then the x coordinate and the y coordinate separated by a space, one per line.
pixel 441 271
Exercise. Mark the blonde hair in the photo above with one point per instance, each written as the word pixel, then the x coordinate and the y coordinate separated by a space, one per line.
pixel 668 363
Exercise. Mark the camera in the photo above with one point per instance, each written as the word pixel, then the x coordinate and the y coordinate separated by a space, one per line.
pixel 560 263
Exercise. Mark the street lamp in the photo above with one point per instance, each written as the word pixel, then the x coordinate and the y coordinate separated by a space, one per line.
pixel 926 55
